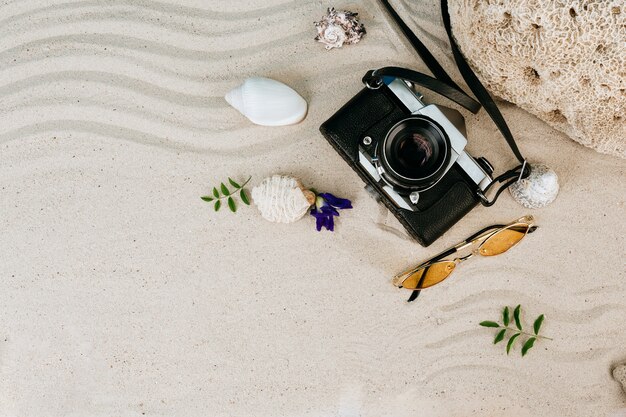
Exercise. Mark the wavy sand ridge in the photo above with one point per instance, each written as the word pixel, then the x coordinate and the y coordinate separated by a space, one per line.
pixel 122 293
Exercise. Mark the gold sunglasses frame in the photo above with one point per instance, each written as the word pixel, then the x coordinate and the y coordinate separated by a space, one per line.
pixel 481 239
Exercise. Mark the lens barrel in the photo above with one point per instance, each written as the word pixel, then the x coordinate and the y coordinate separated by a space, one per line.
pixel 415 153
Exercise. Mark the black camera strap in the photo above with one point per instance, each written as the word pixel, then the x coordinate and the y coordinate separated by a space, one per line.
pixel 477 87
pixel 373 80
pixel 449 89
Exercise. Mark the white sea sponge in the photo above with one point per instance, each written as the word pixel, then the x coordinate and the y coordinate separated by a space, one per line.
pixel 563 61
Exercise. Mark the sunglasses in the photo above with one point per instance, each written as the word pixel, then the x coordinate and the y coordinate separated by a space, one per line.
pixel 490 241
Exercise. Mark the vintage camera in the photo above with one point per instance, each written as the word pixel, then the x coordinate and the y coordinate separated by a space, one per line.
pixel 411 155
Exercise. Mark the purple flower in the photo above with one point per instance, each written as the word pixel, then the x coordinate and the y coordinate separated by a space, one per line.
pixel 325 209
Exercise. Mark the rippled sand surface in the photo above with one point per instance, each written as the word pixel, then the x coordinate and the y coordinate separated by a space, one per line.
pixel 123 294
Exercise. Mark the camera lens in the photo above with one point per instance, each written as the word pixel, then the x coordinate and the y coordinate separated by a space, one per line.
pixel 416 151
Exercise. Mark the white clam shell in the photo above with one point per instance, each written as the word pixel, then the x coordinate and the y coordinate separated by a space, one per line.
pixel 280 199
pixel 538 190
pixel 268 102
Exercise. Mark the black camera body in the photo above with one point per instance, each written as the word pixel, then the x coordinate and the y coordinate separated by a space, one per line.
pixel 411 155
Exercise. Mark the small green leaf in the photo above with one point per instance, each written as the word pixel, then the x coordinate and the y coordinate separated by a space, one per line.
pixel 231 204
pixel 218 204
pixel 529 344
pixel 511 341
pixel 224 189
pixel 207 198
pixel 233 183
pixel 537 324
pixel 489 324
pixel 244 197
pixel 499 336
pixel 516 314
pixel 216 193
pixel 505 316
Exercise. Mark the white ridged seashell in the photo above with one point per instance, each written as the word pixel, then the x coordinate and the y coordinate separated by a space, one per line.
pixel 538 190
pixel 282 199
pixel 268 102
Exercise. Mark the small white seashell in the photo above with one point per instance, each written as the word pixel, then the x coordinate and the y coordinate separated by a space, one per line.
pixel 338 28
pixel 268 102
pixel 538 190
pixel 282 199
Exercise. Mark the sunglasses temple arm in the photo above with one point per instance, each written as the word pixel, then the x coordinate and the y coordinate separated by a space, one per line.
pixel 413 296
pixel 480 232
pixel 444 254
pixel 453 249
pixel 463 244
pixel 436 258
pixel 429 261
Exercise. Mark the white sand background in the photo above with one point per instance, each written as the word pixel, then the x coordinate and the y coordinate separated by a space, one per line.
pixel 123 294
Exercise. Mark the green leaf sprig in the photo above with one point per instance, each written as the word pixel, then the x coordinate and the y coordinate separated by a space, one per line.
pixel 224 193
pixel 517 331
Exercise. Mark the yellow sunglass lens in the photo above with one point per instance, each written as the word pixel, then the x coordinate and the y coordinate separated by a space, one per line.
pixel 503 240
pixel 428 276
